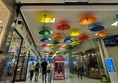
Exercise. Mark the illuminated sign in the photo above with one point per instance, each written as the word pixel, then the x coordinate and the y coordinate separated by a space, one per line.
pixel 110 65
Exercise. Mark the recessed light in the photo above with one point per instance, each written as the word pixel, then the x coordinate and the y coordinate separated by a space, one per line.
pixel 115 24
pixel 53 20
pixel 0 21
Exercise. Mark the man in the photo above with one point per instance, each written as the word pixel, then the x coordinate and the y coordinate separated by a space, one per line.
pixel 44 69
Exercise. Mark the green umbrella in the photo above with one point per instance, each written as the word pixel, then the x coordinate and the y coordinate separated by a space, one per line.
pixel 55 42
pixel 45 32
pixel 69 47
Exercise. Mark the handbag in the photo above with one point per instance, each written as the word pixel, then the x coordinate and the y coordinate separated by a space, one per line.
pixel 48 71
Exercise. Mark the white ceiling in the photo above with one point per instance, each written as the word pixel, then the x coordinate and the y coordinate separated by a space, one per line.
pixel 63 1
pixel 72 14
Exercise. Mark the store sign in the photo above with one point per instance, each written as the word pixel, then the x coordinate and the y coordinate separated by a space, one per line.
pixel 111 41
pixel 110 65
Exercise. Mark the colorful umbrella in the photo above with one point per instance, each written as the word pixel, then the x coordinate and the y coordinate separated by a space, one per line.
pixel 58 36
pixel 45 40
pixel 87 20
pixel 45 32
pixel 83 37
pixel 68 40
pixel 96 28
pixel 53 46
pixel 63 26
pixel 63 45
pixel 69 47
pixel 55 42
pixel 44 45
pixel 45 17
pixel 75 32
pixel 102 34
pixel 75 43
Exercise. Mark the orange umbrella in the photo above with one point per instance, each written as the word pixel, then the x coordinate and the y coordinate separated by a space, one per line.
pixel 63 45
pixel 58 36
pixel 87 20
pixel 102 34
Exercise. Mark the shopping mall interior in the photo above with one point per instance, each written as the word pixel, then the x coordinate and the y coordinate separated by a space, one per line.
pixel 70 33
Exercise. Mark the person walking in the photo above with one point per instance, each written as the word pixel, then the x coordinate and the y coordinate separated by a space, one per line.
pixel 31 70
pixel 37 69
pixel 44 70
pixel 50 68
pixel 80 71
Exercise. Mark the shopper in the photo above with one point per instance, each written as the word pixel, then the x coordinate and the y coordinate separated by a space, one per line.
pixel 50 68
pixel 37 69
pixel 44 69
pixel 31 70
pixel 80 71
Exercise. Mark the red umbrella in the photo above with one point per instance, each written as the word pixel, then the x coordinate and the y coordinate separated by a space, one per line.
pixel 44 45
pixel 83 37
pixel 63 26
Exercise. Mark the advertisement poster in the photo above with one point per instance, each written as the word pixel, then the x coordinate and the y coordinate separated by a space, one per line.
pixel 59 70
pixel 110 65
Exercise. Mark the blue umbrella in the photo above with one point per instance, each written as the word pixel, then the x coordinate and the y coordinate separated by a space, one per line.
pixel 68 40
pixel 96 28
pixel 44 40
pixel 106 37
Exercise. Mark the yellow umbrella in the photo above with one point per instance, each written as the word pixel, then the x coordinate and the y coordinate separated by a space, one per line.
pixel 53 46
pixel 45 17
pixel 75 42
pixel 75 32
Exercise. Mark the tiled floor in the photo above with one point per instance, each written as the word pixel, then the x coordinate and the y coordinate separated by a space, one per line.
pixel 72 79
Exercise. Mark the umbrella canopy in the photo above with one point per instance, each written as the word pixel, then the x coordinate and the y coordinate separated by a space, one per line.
pixel 69 47
pixel 87 20
pixel 63 26
pixel 68 40
pixel 45 17
pixel 44 45
pixel 83 37
pixel 45 40
pixel 96 28
pixel 63 45
pixel 55 42
pixel 75 32
pixel 102 34
pixel 58 36
pixel 75 43
pixel 45 32
pixel 53 46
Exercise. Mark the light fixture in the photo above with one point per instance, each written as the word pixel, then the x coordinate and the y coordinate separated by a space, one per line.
pixel 115 23
pixel 1 21
pixel 45 32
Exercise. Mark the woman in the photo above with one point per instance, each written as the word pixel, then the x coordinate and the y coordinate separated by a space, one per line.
pixel 31 70
pixel 50 67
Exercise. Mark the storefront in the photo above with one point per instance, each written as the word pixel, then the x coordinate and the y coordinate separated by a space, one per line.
pixel 5 15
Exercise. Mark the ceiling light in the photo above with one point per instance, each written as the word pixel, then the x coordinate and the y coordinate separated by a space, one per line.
pixel 115 24
pixel 1 21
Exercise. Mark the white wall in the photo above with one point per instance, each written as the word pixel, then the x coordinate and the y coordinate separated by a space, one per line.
pixel 113 53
